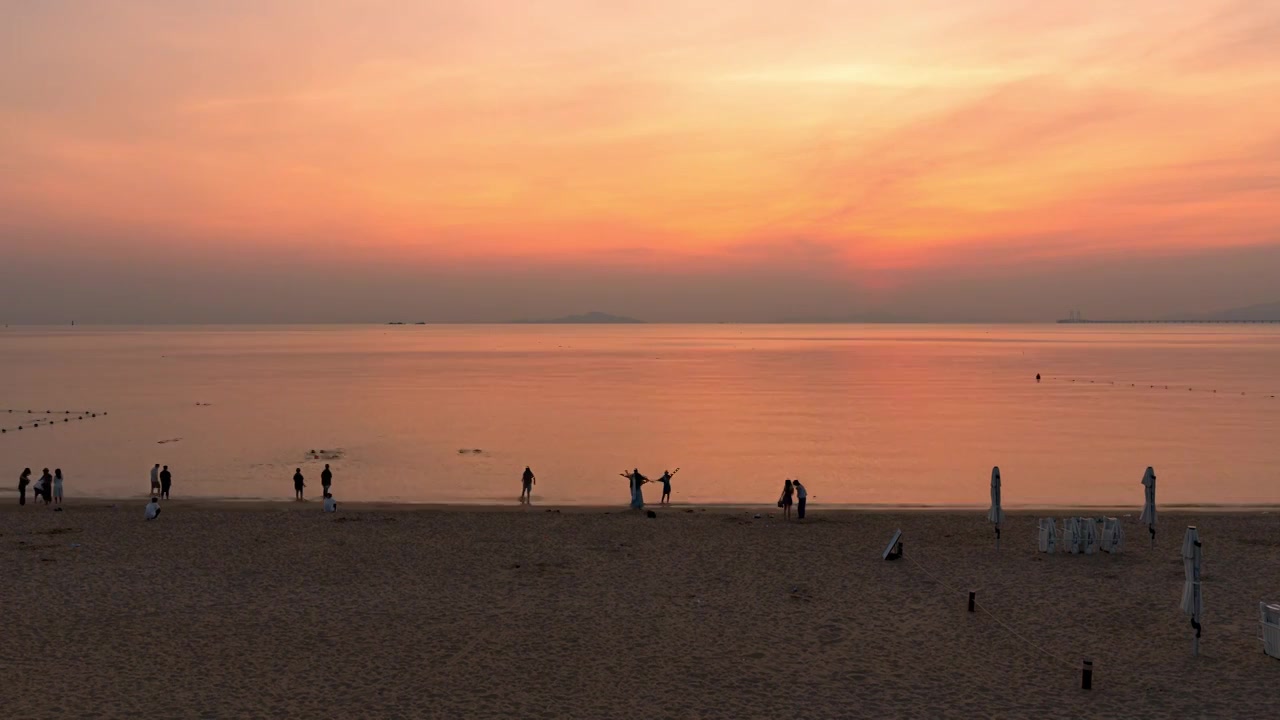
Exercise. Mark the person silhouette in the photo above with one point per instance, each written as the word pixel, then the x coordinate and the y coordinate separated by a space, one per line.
pixel 155 479
pixel 326 478
pixel 637 489
pixel 298 484
pixel 527 481
pixel 23 481
pixel 166 482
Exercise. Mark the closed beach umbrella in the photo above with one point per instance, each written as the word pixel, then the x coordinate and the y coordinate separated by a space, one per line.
pixel 1192 600
pixel 995 514
pixel 1149 506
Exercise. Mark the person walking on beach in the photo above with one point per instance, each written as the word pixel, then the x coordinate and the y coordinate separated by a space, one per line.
pixel 155 479
pixel 23 481
pixel 57 486
pixel 330 505
pixel 153 509
pixel 298 484
pixel 666 486
pixel 166 481
pixel 527 481
pixel 784 502
pixel 45 488
pixel 801 496
pixel 326 479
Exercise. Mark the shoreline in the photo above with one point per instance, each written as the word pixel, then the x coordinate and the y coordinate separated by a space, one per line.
pixel 227 503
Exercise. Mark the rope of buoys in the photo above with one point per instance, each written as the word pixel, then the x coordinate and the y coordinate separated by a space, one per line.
pixel 46 418
pixel 1190 388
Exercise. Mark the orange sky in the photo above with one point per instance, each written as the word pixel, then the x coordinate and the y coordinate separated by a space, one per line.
pixel 886 139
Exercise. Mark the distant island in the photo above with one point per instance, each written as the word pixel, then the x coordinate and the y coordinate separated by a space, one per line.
pixel 591 318
pixel 1264 313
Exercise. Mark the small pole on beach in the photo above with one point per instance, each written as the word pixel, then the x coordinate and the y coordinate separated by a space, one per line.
pixel 997 537
pixel 1086 675
pixel 972 596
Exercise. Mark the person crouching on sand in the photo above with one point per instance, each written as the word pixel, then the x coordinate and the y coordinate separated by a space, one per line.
pixel 784 502
pixel 527 481
pixel 298 484
pixel 153 508
pixel 330 505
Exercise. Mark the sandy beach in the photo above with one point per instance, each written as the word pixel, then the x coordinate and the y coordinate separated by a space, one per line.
pixel 277 610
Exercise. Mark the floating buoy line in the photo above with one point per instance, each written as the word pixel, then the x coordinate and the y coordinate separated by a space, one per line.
pixel 12 421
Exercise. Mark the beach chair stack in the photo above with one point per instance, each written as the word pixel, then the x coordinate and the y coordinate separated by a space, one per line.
pixel 1080 536
pixel 1048 535
pixel 1270 625
pixel 1112 536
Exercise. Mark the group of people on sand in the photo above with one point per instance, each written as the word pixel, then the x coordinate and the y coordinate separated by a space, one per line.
pixel 48 488
pixel 636 481
pixel 161 483
pixel 326 484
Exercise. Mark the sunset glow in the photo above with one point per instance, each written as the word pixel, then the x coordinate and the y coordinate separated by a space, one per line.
pixel 885 138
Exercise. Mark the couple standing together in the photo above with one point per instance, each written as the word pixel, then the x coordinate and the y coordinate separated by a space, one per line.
pixel 637 482
pixel 790 489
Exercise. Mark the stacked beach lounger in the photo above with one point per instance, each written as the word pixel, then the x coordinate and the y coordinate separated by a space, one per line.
pixel 1080 536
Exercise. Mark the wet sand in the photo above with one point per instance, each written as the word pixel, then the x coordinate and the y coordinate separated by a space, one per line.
pixel 277 610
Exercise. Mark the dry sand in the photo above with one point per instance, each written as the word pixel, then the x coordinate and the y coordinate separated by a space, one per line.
pixel 229 610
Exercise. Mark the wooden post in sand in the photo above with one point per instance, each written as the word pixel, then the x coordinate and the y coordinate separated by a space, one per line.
pixel 972 596
pixel 1086 675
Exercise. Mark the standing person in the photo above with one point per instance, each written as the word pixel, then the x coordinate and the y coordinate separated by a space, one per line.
pixel 326 479
pixel 527 481
pixel 23 481
pixel 166 481
pixel 801 496
pixel 155 479
pixel 153 509
pixel 637 489
pixel 784 502
pixel 298 484
pixel 57 486
pixel 45 488
pixel 666 486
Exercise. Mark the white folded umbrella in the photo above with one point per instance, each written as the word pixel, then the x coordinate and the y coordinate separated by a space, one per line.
pixel 1149 505
pixel 1192 600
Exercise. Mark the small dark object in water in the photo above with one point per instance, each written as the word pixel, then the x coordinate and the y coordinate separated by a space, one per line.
pixel 461 450
pixel 1037 377
pixel 651 514
pixel 477 450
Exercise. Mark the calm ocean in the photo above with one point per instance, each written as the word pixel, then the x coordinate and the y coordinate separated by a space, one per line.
pixel 863 414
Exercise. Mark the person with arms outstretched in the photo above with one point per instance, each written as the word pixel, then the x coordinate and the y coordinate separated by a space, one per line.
pixel 666 486
pixel 527 481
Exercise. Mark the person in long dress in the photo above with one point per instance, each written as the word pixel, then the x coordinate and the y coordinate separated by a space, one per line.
pixel 57 486
pixel 784 502
pixel 637 485
pixel 45 489
pixel 23 481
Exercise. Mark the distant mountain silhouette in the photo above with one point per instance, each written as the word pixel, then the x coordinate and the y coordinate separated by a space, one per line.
pixel 1266 312
pixel 591 318
pixel 857 319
